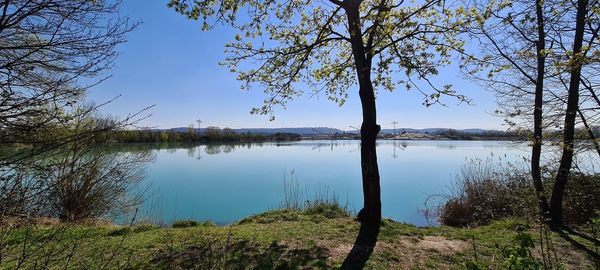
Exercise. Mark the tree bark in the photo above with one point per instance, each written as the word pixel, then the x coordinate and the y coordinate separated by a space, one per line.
pixel 536 149
pixel 566 160
pixel 371 212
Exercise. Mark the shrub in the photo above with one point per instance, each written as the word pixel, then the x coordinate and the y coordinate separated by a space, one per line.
pixel 90 182
pixel 328 210
pixel 582 198
pixel 192 223
pixel 185 224
pixel 318 201
pixel 143 227
pixel 486 191
pixel 272 216
pixel 518 255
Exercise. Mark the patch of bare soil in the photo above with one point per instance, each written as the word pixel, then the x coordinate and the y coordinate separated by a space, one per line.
pixel 340 251
pixel 569 256
pixel 442 245
pixel 403 252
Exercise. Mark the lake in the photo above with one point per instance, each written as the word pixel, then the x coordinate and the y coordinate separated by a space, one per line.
pixel 226 182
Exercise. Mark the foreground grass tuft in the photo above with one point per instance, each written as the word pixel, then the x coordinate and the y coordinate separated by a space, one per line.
pixel 328 210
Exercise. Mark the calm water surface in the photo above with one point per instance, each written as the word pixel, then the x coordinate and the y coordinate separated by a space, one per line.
pixel 226 182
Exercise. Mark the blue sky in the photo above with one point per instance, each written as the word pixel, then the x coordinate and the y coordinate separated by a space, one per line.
pixel 170 63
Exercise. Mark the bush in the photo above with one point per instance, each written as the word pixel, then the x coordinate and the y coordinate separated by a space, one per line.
pixel 328 210
pixel 120 231
pixel 518 255
pixel 192 223
pixel 485 191
pixel 90 182
pixel 582 198
pixel 317 201
pixel 143 227
pixel 272 216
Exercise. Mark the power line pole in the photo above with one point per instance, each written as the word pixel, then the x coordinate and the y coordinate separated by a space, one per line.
pixel 394 123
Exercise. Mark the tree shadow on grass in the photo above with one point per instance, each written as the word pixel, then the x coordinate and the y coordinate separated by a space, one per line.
pixel 591 253
pixel 244 254
pixel 583 235
pixel 363 246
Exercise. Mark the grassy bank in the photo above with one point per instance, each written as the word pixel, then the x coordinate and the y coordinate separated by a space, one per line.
pixel 284 239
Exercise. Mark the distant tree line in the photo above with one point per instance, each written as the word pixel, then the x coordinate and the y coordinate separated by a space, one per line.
pixel 581 134
pixel 465 135
pixel 210 134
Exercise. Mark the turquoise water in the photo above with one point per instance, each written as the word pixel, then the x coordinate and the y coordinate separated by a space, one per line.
pixel 227 182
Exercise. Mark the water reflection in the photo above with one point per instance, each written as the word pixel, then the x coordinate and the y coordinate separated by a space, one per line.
pixel 402 146
pixel 197 150
pixel 191 152
pixel 226 182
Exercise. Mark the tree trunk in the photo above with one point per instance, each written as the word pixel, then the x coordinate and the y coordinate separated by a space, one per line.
pixel 368 158
pixel 569 127
pixel 371 212
pixel 536 149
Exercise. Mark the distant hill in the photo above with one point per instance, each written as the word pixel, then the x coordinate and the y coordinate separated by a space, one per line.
pixel 301 130
pixel 268 131
pixel 437 130
pixel 312 131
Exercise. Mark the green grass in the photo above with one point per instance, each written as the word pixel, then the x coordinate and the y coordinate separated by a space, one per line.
pixel 317 238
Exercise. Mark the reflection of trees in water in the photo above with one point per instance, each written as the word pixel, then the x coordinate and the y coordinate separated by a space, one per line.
pixel 228 148
pixel 320 145
pixel 445 146
pixel 196 150
pixel 191 152
pixel 357 148
pixel 192 149
pixel 323 145
pixel 213 149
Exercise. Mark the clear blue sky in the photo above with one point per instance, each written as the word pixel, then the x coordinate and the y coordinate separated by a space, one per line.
pixel 170 63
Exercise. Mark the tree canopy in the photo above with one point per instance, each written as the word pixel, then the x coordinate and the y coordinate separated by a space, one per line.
pixel 291 48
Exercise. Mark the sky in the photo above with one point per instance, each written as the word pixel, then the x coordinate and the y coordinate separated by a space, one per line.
pixel 168 62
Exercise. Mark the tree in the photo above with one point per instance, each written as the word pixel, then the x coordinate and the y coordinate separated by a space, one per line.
pixel 332 46
pixel 191 132
pixel 47 49
pixel 585 14
pixel 508 33
pixel 528 75
pixel 213 132
pixel 228 131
